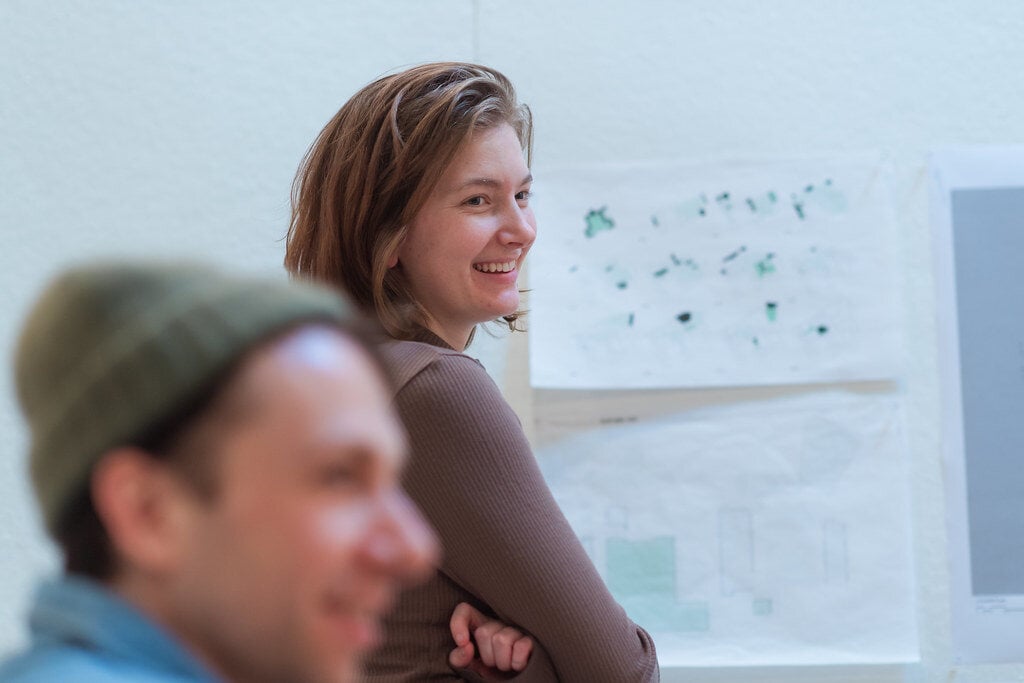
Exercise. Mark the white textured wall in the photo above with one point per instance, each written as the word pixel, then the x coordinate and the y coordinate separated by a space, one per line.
pixel 148 127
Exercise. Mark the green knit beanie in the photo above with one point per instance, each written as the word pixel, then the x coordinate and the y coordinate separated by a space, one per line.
pixel 111 349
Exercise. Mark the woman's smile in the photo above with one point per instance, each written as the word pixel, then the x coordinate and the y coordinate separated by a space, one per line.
pixel 478 214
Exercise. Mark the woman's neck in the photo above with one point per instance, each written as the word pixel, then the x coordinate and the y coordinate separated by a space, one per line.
pixel 458 339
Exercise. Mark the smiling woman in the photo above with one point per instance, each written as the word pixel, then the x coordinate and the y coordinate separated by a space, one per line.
pixel 463 249
pixel 415 199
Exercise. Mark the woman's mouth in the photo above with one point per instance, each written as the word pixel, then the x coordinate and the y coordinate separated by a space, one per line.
pixel 502 267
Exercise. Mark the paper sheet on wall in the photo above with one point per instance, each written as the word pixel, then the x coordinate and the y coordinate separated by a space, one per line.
pixel 758 534
pixel 730 274
pixel 978 202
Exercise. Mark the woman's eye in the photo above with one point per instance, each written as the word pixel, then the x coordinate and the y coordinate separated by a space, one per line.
pixel 475 201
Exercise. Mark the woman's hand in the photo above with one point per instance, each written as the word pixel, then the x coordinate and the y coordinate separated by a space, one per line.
pixel 498 647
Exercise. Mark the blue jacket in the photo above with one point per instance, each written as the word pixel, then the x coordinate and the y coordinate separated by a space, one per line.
pixel 84 633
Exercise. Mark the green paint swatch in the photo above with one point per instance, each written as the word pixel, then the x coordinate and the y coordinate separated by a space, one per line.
pixel 667 616
pixel 646 567
pixel 761 607
pixel 597 221
pixel 765 266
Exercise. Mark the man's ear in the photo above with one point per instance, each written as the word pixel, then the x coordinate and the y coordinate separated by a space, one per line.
pixel 142 506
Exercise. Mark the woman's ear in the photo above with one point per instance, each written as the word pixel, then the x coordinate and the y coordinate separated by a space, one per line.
pixel 395 244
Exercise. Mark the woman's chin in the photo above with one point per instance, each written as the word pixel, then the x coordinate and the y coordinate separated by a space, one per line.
pixel 507 310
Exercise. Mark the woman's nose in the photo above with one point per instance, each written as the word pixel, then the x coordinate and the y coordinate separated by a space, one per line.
pixel 519 226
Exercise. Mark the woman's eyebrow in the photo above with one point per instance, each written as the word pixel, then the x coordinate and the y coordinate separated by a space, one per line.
pixel 487 182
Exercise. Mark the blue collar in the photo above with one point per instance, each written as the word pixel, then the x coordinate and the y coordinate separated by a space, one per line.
pixel 75 611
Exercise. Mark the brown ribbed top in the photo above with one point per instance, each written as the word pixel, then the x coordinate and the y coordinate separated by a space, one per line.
pixel 508 549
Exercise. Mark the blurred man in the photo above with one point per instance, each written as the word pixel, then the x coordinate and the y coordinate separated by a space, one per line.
pixel 218 460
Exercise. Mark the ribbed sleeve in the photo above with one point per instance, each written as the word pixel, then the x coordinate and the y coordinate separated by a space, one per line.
pixel 507 547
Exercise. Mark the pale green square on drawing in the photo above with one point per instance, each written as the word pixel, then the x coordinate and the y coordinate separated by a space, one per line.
pixel 762 607
pixel 691 616
pixel 642 577
pixel 644 567
pixel 668 616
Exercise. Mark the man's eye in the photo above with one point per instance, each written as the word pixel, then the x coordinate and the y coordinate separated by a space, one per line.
pixel 524 195
pixel 340 475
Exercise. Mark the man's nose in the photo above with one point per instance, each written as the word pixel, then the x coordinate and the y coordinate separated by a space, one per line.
pixel 404 544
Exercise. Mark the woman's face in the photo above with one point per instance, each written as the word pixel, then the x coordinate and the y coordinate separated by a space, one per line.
pixel 463 250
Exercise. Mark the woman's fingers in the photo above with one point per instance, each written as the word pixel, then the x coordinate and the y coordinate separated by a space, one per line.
pixel 484 637
pixel 503 645
pixel 465 619
pixel 496 645
pixel 462 656
pixel 521 653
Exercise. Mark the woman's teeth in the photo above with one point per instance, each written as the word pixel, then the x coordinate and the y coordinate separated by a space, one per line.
pixel 495 267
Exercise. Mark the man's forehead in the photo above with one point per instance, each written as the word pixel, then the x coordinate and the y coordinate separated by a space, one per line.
pixel 318 354
pixel 321 378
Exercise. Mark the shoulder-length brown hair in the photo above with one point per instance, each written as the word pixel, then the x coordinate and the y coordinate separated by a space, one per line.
pixel 373 166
